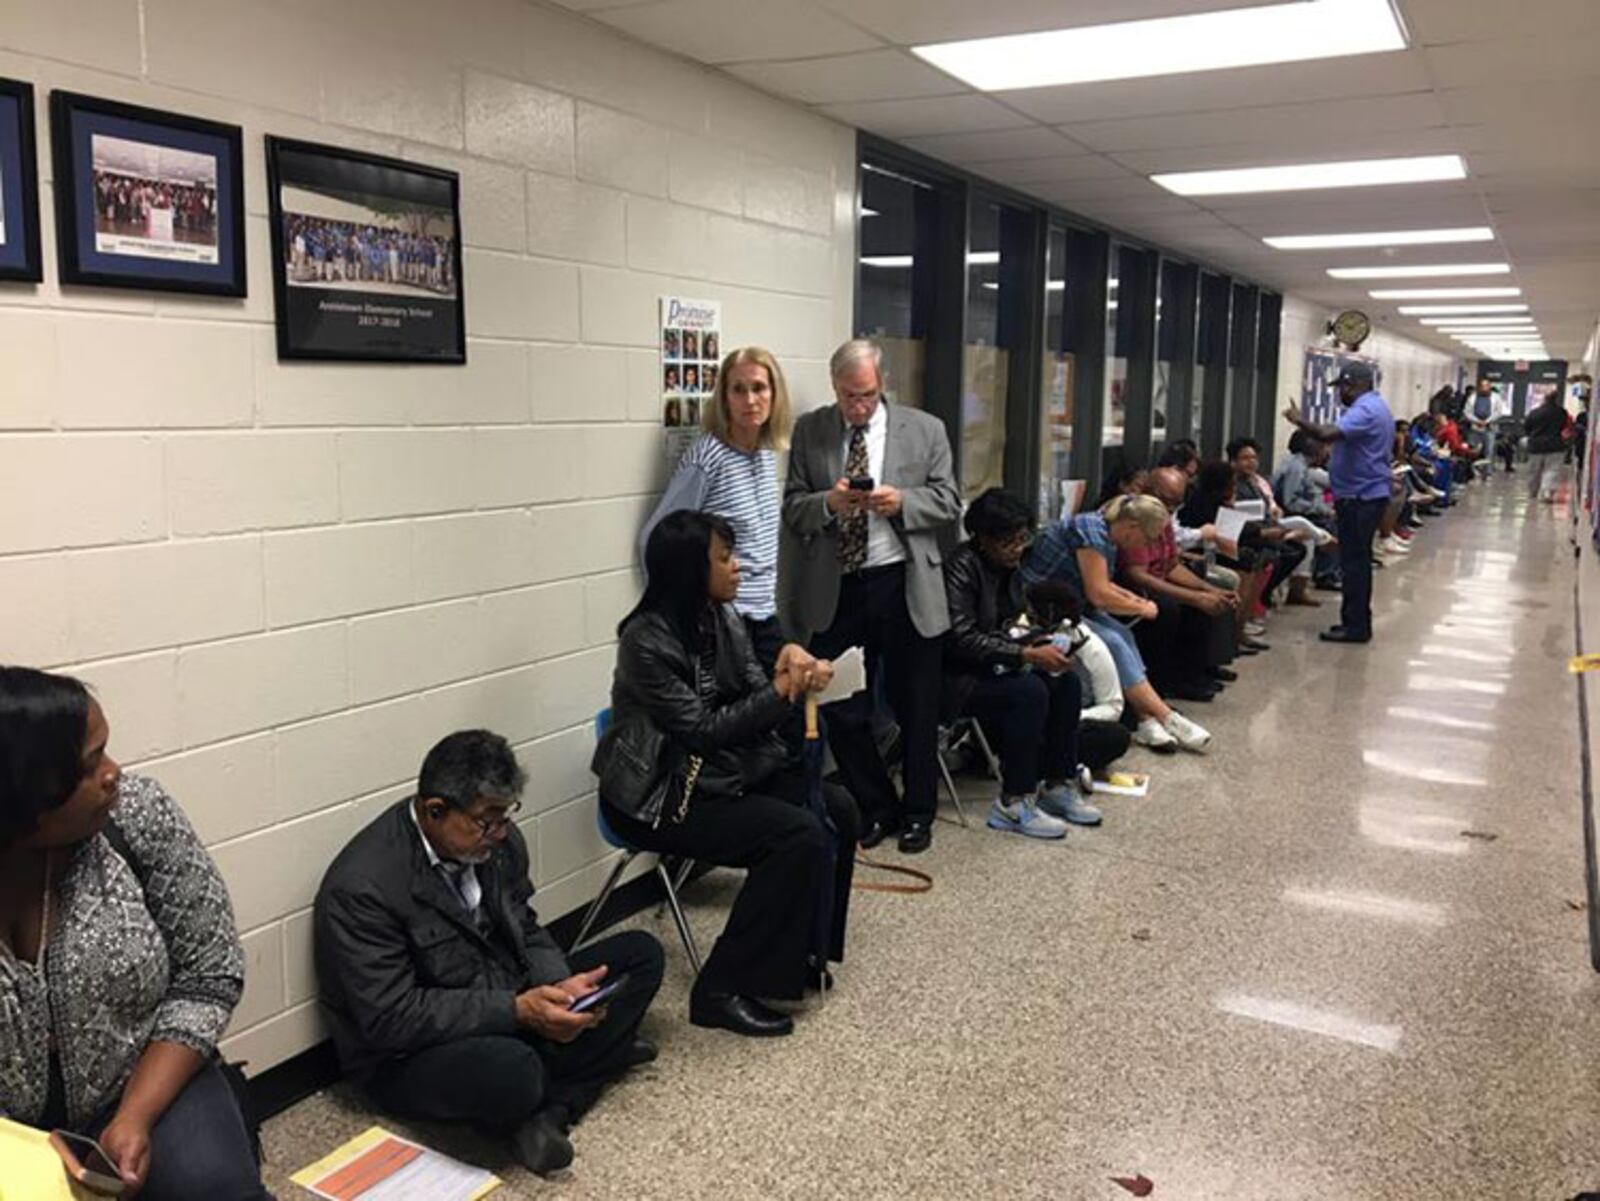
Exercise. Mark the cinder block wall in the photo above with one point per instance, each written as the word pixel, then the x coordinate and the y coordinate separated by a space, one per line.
pixel 286 580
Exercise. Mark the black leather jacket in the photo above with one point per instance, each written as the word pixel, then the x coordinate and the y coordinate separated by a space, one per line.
pixel 721 706
pixel 983 599
pixel 1543 427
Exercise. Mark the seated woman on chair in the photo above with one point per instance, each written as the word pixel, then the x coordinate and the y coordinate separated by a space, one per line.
pixel 685 668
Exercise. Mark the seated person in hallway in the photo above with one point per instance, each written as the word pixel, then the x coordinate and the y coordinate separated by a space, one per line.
pixel 1123 478
pixel 686 673
pixel 447 999
pixel 1300 486
pixel 1249 558
pixel 1294 538
pixel 103 873
pixel 1191 641
pixel 1105 724
pixel 1082 552
pixel 1027 696
pixel 1182 454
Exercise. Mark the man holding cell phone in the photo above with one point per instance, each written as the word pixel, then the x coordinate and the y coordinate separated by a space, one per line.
pixel 446 997
pixel 871 488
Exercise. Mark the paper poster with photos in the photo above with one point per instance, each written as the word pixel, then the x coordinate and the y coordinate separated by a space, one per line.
pixel 19 185
pixel 147 199
pixel 366 256
pixel 691 350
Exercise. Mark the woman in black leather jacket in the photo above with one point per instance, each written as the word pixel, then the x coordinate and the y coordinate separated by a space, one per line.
pixel 686 671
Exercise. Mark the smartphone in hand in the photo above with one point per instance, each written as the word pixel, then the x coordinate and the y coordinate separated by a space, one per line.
pixel 87 1163
pixel 600 995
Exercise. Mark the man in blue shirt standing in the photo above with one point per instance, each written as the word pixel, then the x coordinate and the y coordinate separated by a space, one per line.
pixel 1362 442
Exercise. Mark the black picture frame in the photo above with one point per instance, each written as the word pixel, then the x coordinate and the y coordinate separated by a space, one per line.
pixel 20 258
pixel 338 294
pixel 190 240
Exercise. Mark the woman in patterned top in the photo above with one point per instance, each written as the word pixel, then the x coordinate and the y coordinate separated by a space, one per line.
pixel 119 962
pixel 732 470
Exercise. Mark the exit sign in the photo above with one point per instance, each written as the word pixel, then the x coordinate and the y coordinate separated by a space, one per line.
pixel 1522 365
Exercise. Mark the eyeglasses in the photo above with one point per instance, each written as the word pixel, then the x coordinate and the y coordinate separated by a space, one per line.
pixel 1021 540
pixel 493 825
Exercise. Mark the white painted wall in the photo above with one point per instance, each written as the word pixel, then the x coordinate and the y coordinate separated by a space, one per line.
pixel 286 581
pixel 1412 371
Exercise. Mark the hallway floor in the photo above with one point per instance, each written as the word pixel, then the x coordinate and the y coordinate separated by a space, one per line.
pixel 1340 957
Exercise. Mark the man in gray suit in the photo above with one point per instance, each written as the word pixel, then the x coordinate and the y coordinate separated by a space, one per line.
pixel 870 488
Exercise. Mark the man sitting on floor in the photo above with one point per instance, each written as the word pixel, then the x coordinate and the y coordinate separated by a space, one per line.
pixel 446 998
pixel 1024 692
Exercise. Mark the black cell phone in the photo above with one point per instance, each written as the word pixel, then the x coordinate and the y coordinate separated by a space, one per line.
pixel 87 1163
pixel 861 483
pixel 600 995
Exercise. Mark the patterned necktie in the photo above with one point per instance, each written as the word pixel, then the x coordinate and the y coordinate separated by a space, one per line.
pixel 853 528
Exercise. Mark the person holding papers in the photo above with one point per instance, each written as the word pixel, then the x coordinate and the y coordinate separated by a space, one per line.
pixel 446 998
pixel 693 765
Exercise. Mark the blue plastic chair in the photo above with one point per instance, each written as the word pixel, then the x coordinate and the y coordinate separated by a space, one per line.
pixel 669 886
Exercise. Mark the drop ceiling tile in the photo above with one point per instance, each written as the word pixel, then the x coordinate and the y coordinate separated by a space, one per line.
pixel 1546 56
pixel 1245 87
pixel 848 78
pixel 915 22
pixel 1021 171
pixel 1286 212
pixel 937 114
pixel 996 145
pixel 1289 130
pixel 1432 22
pixel 722 31
pixel 1210 154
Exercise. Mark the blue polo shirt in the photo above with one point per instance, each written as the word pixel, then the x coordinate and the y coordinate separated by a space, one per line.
pixel 1359 469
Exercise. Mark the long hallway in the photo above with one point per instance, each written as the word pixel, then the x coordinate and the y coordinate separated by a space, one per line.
pixel 1337 958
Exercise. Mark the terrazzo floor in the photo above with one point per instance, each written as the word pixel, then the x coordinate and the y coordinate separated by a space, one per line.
pixel 1339 957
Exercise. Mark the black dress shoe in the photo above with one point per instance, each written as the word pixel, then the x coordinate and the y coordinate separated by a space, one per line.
pixel 1255 644
pixel 916 838
pixel 541 1146
pixel 742 1015
pixel 1226 674
pixel 876 830
pixel 1340 634
pixel 640 1052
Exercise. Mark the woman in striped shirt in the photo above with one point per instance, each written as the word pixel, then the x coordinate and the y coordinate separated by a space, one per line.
pixel 732 470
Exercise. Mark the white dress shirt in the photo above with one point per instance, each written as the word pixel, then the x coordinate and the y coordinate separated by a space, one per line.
pixel 462 877
pixel 883 544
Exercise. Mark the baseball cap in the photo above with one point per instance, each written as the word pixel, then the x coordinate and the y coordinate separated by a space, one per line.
pixel 1356 373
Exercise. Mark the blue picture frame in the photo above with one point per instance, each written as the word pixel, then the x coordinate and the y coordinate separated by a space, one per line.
pixel 147 199
pixel 20 260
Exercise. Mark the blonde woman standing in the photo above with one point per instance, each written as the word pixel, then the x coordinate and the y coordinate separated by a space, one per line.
pixel 731 470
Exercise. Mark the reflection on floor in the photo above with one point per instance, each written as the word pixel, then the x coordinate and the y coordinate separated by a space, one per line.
pixel 1337 958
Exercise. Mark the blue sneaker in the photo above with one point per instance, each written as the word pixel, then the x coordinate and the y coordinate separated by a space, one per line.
pixel 1065 801
pixel 1020 815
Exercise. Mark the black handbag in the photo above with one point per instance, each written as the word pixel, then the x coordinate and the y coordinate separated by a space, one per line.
pixel 643 773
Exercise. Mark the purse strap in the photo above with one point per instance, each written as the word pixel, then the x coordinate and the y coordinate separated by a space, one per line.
pixel 922 880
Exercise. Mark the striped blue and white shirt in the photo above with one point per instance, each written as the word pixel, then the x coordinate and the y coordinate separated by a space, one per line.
pixel 742 489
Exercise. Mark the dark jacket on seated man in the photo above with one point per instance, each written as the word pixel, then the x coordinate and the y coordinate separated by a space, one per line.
pixel 446 998
pixel 403 966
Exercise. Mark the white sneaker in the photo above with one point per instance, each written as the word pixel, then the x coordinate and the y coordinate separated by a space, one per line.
pixel 1187 734
pixel 1256 629
pixel 1395 546
pixel 1153 734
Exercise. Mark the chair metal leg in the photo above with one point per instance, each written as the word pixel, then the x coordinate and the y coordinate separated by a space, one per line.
pixel 599 902
pixel 677 916
pixel 988 751
pixel 680 874
pixel 950 784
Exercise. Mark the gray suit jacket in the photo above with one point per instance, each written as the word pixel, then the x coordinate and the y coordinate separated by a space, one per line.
pixel 916 460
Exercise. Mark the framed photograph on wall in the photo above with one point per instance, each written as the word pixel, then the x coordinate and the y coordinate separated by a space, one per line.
pixel 147 199
pixel 366 256
pixel 19 185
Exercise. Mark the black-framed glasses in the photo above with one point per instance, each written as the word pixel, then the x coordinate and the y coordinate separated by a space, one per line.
pixel 493 825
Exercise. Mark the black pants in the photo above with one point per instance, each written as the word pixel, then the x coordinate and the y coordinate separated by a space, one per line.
pixel 1358 525
pixel 872 614
pixel 771 930
pixel 1286 556
pixel 1100 743
pixel 199 1146
pixel 499 1081
pixel 1178 645
pixel 1032 721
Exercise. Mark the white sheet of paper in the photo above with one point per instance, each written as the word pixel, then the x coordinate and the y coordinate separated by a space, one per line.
pixel 1256 508
pixel 849 677
pixel 1072 496
pixel 1230 523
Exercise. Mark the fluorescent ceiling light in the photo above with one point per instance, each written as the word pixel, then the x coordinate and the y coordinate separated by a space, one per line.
pixel 1355 173
pixel 1398 237
pixel 1442 293
pixel 1440 310
pixel 1477 321
pixel 870 213
pixel 1422 271
pixel 978 258
pixel 1240 37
